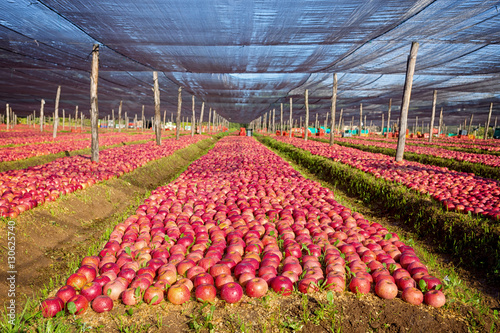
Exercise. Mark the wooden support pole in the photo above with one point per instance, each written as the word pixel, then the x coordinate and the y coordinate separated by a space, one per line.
pixel 157 108
pixel 7 115
pixel 440 125
pixel 64 119
pixel 56 112
pixel 326 121
pixel 76 115
pixel 433 114
pixel 143 119
pixel 306 98
pixel 193 119
pixel 42 103
pixel 120 117
pixel 201 117
pixel 382 127
pixel 274 114
pixel 388 119
pixel 470 123
pixel 281 120
pixel 164 118
pixel 125 121
pixel 94 111
pixel 352 125
pixel 316 121
pixel 341 123
pixel 113 118
pixel 488 123
pixel 178 118
pixel 209 120
pixel 291 120
pixel 213 119
pixel 360 118
pixel 416 125
pixel 405 103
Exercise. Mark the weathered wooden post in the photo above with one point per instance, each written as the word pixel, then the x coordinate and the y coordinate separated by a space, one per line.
pixel 64 120
pixel 306 97
pixel 120 117
pixel 389 118
pixel 94 111
pixel 341 120
pixel 76 116
pixel 164 118
pixel 488 123
pixel 273 128
pixel 209 120
pixel 405 104
pixel 433 114
pixel 470 123
pixel 7 115
pixel 201 117
pixel 360 118
pixel 281 120
pixel 42 103
pixel 193 119
pixel 157 108
pixel 291 120
pixel 440 126
pixel 56 113
pixel 382 127
pixel 178 118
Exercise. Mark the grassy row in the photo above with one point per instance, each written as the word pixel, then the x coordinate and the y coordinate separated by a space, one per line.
pixel 476 168
pixel 471 242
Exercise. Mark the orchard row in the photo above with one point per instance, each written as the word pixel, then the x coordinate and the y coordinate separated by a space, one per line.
pixel 242 220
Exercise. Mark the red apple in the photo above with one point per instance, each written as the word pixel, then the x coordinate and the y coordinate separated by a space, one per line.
pixel 435 298
pixel 102 303
pixel 76 280
pixel 360 285
pixel 131 296
pixel 52 306
pixel 91 290
pixel 178 294
pixel 113 289
pixel 205 292
pixel 203 278
pixel 102 280
pixel 77 304
pixel 335 282
pixel 188 283
pixel 412 295
pixel 308 285
pixel 405 282
pixel 282 285
pixel 231 292
pixel 256 287
pixel 153 295
pixel 65 293
pixel 222 279
pixel 219 269
pixel 386 289
pixel 89 272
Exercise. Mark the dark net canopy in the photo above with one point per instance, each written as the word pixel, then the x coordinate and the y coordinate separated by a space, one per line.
pixel 243 57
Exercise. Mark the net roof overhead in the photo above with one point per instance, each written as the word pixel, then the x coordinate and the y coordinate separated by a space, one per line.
pixel 243 58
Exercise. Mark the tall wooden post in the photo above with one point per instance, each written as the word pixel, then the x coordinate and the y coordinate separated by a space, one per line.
pixel 69 121
pixel 56 112
pixel 306 98
pixel 94 111
pixel 113 118
pixel 382 127
pixel 193 119
pixel 125 121
pixel 120 117
pixel 164 118
pixel 416 124
pixel 405 104
pixel 281 120
pixel 42 103
pixel 291 120
pixel 209 120
pixel 433 114
pixel 157 108
pixel 488 123
pixel 143 119
pixel 178 118
pixel 341 123
pixel 64 120
pixel 213 119
pixel 326 121
pixel 440 126
pixel 388 119
pixel 135 121
pixel 274 128
pixel 7 114
pixel 316 121
pixel 470 123
pixel 360 118
pixel 201 117
pixel 76 116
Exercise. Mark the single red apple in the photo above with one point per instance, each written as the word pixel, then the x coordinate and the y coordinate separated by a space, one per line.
pixel 231 292
pixel 412 295
pixel 205 292
pixel 51 306
pixel 178 294
pixel 102 303
pixel 256 287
